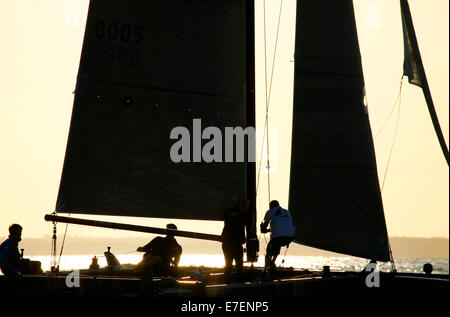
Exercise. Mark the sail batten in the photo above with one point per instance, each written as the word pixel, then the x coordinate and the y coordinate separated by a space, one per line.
pixel 158 88
pixel 146 68
pixel 334 194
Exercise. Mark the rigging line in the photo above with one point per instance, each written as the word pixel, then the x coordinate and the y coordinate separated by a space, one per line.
pixel 398 100
pixel 393 108
pixel 394 138
pixel 266 125
pixel 265 91
pixel 268 99
pixel 118 253
pixel 62 245
pixel 274 54
pixel 391 255
pixel 265 51
pixel 129 252
pixel 268 160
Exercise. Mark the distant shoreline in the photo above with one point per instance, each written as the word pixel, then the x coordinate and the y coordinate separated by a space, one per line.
pixel 401 247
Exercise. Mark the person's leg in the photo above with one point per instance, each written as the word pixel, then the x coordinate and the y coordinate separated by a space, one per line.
pixel 269 253
pixel 274 259
pixel 148 262
pixel 228 262
pixel 280 242
pixel 275 250
pixel 239 258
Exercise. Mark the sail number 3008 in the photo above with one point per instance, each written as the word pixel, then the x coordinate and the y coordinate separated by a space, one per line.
pixel 115 49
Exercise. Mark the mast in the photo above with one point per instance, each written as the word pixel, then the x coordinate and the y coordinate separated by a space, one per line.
pixel 252 241
pixel 422 80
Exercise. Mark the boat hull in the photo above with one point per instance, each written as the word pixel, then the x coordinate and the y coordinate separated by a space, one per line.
pixel 254 282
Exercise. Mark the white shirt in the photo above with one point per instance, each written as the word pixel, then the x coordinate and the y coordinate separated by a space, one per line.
pixel 280 222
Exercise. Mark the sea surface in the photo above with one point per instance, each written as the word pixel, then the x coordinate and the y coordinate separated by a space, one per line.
pixel 344 263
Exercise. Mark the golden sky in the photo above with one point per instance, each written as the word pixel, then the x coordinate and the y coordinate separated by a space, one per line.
pixel 40 51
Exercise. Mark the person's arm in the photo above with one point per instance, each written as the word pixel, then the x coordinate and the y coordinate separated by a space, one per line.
pixel 176 260
pixel 177 255
pixel 6 253
pixel 148 247
pixel 266 222
pixel 4 264
pixel 144 248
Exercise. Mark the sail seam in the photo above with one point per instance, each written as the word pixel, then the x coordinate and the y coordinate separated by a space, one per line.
pixel 136 85
pixel 336 166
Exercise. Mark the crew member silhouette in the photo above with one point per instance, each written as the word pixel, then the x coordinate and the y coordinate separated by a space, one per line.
pixel 9 251
pixel 282 231
pixel 162 255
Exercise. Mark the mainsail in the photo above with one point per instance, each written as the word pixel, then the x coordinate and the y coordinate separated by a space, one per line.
pixel 334 191
pixel 146 68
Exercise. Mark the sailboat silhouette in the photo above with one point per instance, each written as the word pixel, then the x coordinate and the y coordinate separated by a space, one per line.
pixel 147 67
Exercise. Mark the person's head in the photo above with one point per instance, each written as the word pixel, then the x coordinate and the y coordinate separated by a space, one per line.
pixel 172 227
pixel 428 268
pixel 15 232
pixel 274 203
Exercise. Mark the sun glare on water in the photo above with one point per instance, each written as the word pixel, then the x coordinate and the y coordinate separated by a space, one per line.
pixel 71 262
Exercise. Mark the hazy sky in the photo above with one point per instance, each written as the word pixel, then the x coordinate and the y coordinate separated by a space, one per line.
pixel 40 51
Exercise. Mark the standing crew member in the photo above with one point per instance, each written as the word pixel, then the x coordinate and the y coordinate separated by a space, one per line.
pixel 233 236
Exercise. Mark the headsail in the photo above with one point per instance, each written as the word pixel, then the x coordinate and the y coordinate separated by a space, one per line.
pixel 334 191
pixel 146 68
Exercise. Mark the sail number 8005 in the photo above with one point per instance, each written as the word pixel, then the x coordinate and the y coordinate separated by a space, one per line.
pixel 115 31
pixel 112 45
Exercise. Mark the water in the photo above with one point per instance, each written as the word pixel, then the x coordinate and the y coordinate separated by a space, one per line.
pixel 441 266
